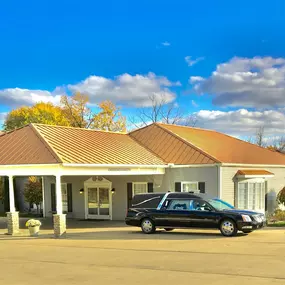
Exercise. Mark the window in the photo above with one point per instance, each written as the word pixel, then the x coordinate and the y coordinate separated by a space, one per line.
pixel 64 197
pixel 139 188
pixel 251 195
pixel 190 187
pixel 179 205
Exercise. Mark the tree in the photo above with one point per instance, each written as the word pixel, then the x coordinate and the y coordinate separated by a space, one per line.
pixel 33 191
pixel 43 113
pixel 109 118
pixel 259 136
pixel 281 197
pixel 76 110
pixel 162 111
pixel 278 145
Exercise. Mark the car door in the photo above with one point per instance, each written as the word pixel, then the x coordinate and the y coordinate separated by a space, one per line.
pixel 176 213
pixel 203 215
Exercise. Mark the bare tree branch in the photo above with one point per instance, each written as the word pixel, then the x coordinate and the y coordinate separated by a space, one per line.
pixel 161 111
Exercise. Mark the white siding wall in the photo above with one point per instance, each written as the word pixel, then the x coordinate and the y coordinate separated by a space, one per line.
pixel 274 184
pixel 209 175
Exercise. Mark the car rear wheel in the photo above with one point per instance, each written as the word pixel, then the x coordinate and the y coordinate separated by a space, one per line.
pixel 148 226
pixel 228 228
pixel 168 229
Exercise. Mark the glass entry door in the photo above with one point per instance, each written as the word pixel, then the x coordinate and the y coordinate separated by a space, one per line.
pixel 98 202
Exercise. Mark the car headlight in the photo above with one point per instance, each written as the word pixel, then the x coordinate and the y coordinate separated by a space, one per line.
pixel 246 218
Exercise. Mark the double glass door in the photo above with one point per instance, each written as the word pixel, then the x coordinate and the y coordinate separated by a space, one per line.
pixel 98 202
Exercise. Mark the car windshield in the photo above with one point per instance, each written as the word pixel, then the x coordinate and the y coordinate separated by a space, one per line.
pixel 219 204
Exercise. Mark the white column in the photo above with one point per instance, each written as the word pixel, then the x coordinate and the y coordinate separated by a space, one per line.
pixel 43 202
pixel 11 195
pixel 58 195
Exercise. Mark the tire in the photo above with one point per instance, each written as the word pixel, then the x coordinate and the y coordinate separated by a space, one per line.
pixel 148 226
pixel 228 228
pixel 247 232
pixel 168 229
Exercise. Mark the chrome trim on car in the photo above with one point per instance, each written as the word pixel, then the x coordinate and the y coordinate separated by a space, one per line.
pixel 162 201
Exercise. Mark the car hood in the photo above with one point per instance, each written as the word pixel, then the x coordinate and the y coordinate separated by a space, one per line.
pixel 243 212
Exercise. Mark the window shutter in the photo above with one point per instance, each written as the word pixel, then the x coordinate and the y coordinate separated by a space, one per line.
pixel 53 197
pixel 150 187
pixel 129 193
pixel 69 197
pixel 202 187
pixel 177 186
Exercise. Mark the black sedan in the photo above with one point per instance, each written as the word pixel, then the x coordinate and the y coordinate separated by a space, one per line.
pixel 188 210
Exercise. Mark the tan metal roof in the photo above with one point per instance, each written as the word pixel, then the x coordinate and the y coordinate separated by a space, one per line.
pixel 254 172
pixel 225 148
pixel 24 146
pixel 82 146
pixel 171 148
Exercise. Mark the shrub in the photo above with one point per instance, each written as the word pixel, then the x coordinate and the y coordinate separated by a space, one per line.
pixel 33 191
pixel 281 197
pixel 279 215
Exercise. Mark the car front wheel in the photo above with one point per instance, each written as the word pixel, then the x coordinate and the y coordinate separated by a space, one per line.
pixel 228 228
pixel 148 226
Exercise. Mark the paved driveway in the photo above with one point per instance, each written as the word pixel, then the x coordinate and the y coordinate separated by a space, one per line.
pixel 95 254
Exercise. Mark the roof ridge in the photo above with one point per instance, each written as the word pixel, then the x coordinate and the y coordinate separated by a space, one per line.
pixel 46 143
pixel 77 128
pixel 188 127
pixel 188 143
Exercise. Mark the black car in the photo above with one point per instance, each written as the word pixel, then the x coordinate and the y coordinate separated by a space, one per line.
pixel 188 210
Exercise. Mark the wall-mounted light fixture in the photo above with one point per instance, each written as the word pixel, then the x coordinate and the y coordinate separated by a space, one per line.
pixel 113 191
pixel 81 191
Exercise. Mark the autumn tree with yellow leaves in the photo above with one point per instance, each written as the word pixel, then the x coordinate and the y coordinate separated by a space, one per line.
pixel 74 111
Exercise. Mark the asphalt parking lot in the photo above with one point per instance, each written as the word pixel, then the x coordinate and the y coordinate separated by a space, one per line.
pixel 123 255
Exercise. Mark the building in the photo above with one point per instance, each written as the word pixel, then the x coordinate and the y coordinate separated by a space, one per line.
pixel 89 174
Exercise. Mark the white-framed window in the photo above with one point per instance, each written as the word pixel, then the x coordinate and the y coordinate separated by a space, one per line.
pixel 251 195
pixel 190 186
pixel 139 188
pixel 64 197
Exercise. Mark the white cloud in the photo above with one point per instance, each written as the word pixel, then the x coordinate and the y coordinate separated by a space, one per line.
pixel 126 89
pixel 191 61
pixel 194 104
pixel 166 44
pixel 15 97
pixel 243 122
pixel 245 82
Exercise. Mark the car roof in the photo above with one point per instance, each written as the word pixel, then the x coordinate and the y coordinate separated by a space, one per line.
pixel 177 195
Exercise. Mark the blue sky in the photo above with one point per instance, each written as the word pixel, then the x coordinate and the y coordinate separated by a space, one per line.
pixel 228 57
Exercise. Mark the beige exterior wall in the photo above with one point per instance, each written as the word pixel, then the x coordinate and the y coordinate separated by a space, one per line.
pixel 274 184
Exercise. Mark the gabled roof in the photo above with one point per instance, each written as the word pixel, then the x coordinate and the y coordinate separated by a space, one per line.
pixel 187 145
pixel 44 144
